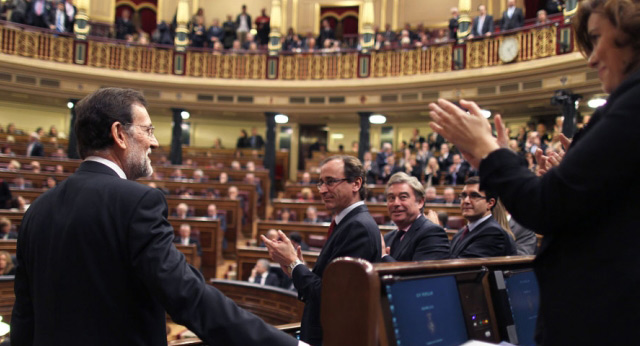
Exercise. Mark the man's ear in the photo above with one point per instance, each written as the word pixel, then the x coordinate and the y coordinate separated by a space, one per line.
pixel 491 203
pixel 118 134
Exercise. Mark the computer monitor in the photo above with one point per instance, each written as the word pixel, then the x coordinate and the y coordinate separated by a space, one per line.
pixel 519 297
pixel 426 311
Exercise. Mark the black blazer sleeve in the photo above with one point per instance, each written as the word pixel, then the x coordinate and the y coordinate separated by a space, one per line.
pixel 487 243
pixel 181 289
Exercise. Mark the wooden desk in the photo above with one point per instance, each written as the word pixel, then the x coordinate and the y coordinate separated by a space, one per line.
pixel 190 253
pixel 273 305
pixel 7 297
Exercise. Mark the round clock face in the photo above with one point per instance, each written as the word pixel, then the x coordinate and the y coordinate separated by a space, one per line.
pixel 508 49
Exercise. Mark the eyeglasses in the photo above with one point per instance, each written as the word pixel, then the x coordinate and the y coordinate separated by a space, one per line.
pixel 149 129
pixel 330 182
pixel 473 195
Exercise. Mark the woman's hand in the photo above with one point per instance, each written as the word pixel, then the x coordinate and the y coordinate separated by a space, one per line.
pixel 469 132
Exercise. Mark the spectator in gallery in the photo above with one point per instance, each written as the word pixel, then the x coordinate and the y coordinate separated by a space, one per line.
pixel 453 23
pixel 71 10
pixel 243 24
pixel 229 28
pixel 512 18
pixel 243 140
pixel 215 33
pixel 53 131
pixel 263 26
pixel 541 17
pixel 58 18
pixel 124 25
pixel 482 24
pixel 19 11
pixel 39 14
pixel 162 34
pixel 256 141
pixel 326 33
pixel 198 33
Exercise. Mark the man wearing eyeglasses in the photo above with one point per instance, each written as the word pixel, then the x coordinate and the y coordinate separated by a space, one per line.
pixel 96 259
pixel 353 233
pixel 482 236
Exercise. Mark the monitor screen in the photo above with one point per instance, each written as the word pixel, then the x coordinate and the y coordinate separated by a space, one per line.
pixel 522 289
pixel 426 311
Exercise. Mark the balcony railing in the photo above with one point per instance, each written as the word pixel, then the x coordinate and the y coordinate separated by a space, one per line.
pixel 534 42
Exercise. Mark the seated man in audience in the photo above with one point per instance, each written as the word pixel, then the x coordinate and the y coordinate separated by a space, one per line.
pixel 14 166
pixel 449 197
pixel 20 184
pixel 370 168
pixel 272 234
pixel 251 167
pixel 260 274
pixel 223 178
pixel 296 240
pixel 6 231
pixel 431 196
pixel 306 179
pixel 198 176
pixel 235 165
pixel 177 174
pixel 212 213
pixel 59 169
pixel 250 178
pixel 182 211
pixel 35 166
pixel 311 215
pixel 186 238
pixel 417 238
pixel 482 236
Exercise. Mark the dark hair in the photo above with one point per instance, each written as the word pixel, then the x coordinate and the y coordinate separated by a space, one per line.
pixel 98 111
pixel 353 170
pixel 489 195
pixel 623 14
pixel 296 237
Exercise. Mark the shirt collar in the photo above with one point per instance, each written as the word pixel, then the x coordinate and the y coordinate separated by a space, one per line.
pixel 406 229
pixel 473 225
pixel 109 164
pixel 346 211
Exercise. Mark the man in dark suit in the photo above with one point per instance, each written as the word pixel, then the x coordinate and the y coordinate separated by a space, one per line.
pixel 353 233
pixel 186 238
pixel 453 23
pixel 482 236
pixel 512 18
pixel 382 156
pixel 38 15
pixel 35 148
pixel 96 260
pixel 255 141
pixel 416 238
pixel 457 171
pixel 124 25
pixel 482 24
pixel 260 274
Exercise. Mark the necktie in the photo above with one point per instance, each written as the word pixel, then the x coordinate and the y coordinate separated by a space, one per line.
pixel 331 227
pixel 60 21
pixel 398 238
pixel 465 231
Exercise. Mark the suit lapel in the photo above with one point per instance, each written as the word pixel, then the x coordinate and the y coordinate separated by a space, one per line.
pixel 472 234
pixel 409 237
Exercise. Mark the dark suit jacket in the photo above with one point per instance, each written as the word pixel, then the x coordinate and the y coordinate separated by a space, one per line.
pixel 453 28
pixel 249 23
pixel 487 26
pixel 488 239
pixel 272 280
pixel 424 241
pixel 516 21
pixel 124 28
pixel 460 176
pixel 121 272
pixel 526 240
pixel 588 263
pixel 37 150
pixel 256 142
pixel 357 235
pixel 192 240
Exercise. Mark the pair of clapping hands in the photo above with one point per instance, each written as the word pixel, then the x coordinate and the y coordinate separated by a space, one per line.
pixel 282 251
pixel 471 133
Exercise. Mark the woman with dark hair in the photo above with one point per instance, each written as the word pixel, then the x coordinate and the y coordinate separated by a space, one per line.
pixel 243 140
pixel 588 267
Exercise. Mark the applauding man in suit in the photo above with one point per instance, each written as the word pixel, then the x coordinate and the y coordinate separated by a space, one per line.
pixel 482 236
pixel 482 24
pixel 353 233
pixel 260 274
pixel 513 17
pixel 96 260
pixel 416 238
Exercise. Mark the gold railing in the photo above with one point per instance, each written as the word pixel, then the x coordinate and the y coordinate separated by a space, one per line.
pixel 534 43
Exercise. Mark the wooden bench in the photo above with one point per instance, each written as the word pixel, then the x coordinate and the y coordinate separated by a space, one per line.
pixel 7 297
pixel 69 165
pixel 248 256
pixel 211 238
